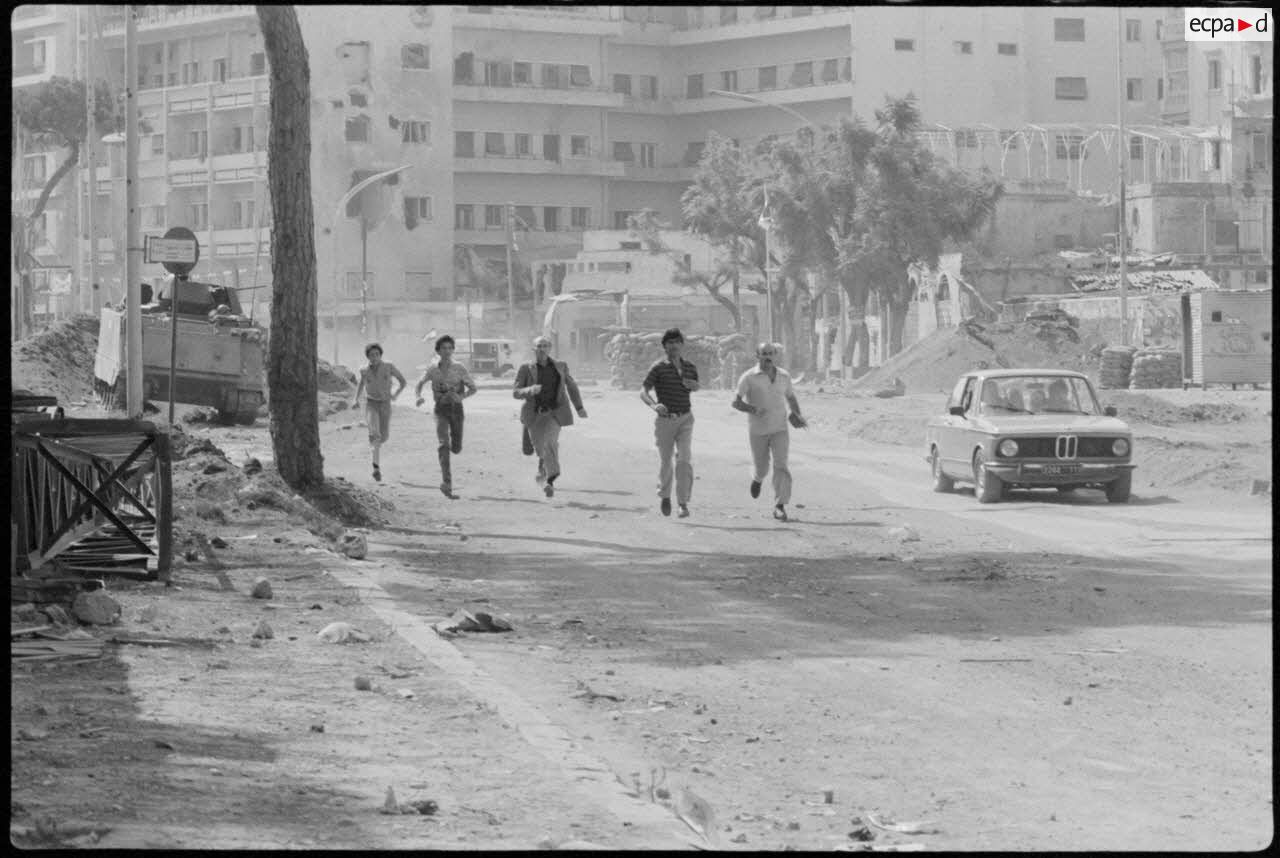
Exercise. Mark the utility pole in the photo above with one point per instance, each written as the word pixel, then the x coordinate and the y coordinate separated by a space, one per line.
pixel 132 287
pixel 511 278
pixel 91 148
pixel 1123 149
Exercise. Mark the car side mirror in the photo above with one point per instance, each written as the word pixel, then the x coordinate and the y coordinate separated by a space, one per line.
pixel 1110 411
pixel 957 410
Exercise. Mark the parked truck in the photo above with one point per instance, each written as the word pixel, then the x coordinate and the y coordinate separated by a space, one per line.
pixel 221 354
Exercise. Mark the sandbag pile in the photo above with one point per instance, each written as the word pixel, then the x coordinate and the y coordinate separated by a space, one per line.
pixel 1117 363
pixel 1156 368
pixel 630 354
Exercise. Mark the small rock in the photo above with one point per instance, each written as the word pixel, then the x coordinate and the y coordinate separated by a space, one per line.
pixel 26 613
pixel 317 728
pixel 255 643
pixel 316 607
pixel 793 825
pixel 363 683
pixel 904 534
pixel 191 556
pixel 261 589
pixel 213 468
pixel 354 545
pixel 218 542
pixel 96 608
pixel 405 693
pixel 252 466
pixel 263 631
pixel 1260 487
pixel 1067 702
pixel 741 838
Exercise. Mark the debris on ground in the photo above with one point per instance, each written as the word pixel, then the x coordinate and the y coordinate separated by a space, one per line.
pixel 465 621
pixel 96 608
pixel 695 812
pixel 918 826
pixel 354 545
pixel 42 643
pixel 425 807
pixel 342 633
pixel 585 692
pixel 261 589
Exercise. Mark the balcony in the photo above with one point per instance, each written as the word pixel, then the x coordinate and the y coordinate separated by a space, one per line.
pixel 648 106
pixel 240 166
pixel 538 239
pixel 576 96
pixel 152 18
pixel 665 173
pixel 534 165
pixel 577 20
pixel 708 28
pixel 782 95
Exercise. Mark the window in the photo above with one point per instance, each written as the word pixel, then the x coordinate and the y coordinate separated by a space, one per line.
pixel 357 98
pixel 551 76
pixel 157 144
pixel 197 144
pixel 1069 146
pixel 524 144
pixel 354 62
pixel 1008 140
pixel 1070 89
pixel 464 144
pixel 358 129
pixel 153 217
pixel 417 209
pixel 1215 155
pixel 34 169
pixel 729 81
pixel 257 64
pixel 578 145
pixel 1260 149
pixel 415 56
pixel 649 86
pixel 622 83
pixel 495 143
pixel 904 44
pixel 525 218
pixel 579 217
pixel 1132 30
pixel 550 218
pixel 693 153
pixel 623 152
pixel 493 217
pixel 198 216
pixel 190 73
pixel 1255 74
pixel 220 70
pixel 580 75
pixel 767 77
pixel 620 219
pixel 966 139
pixel 420 286
pixel 1159 89
pixel 497 74
pixel 802 74
pixel 830 71
pixel 464 217
pixel 522 73
pixel 1215 74
pixel 648 155
pixel 964 47
pixel 38 56
pixel 728 15
pixel 551 147
pixel 241 138
pixel 1007 49
pixel 1068 29
pixel 693 86
pixel 1133 89
pixel 1159 30
pixel 1135 148
pixel 241 213
pixel 415 131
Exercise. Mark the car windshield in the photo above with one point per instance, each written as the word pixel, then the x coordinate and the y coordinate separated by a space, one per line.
pixel 1038 394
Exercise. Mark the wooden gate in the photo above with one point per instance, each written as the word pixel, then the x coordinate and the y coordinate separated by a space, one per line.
pixel 90 497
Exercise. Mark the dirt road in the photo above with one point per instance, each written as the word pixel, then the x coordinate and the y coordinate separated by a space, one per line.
pixel 1045 673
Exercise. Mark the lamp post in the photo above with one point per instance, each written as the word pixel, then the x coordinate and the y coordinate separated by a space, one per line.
pixel 333 232
pixel 1122 148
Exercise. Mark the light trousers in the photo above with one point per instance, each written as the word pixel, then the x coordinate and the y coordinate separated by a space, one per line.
pixel 777 445
pixel 674 435
pixel 449 419
pixel 545 434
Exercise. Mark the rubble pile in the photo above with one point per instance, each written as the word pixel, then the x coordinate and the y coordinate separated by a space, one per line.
pixel 59 360
pixel 1117 364
pixel 1156 367
pixel 335 385
pixel 719 359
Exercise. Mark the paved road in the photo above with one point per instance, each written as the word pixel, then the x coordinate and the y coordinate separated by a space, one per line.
pixel 1041 673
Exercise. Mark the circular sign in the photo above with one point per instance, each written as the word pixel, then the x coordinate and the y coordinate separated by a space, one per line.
pixel 181 269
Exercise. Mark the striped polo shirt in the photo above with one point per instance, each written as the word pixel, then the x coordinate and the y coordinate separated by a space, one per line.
pixel 667 385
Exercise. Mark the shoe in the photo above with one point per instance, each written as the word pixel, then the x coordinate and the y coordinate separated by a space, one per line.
pixel 549 490
pixel 780 513
pixel 447 490
pixel 755 488
pixel 540 478
pixel 684 511
pixel 377 474
pixel 666 506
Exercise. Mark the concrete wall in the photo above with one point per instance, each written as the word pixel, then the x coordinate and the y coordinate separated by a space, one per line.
pixel 1177 217
pixel 1154 319
pixel 1030 217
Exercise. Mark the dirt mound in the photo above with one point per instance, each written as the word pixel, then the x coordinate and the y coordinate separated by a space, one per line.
pixel 1143 408
pixel 58 361
pixel 932 365
pixel 334 378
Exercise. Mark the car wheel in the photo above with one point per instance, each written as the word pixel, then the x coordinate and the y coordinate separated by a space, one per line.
pixel 1119 488
pixel 1065 490
pixel 986 486
pixel 941 482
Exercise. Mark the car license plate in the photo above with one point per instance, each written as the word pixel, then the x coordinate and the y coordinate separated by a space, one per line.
pixel 1062 469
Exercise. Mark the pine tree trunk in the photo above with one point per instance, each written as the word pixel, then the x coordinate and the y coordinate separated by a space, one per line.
pixel 291 367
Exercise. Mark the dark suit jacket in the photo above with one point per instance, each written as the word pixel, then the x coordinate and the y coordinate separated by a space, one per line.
pixel 528 376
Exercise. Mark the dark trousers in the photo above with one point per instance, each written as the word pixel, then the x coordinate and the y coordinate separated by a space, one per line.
pixel 449 434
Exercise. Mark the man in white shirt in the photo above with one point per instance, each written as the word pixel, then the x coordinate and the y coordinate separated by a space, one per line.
pixel 764 392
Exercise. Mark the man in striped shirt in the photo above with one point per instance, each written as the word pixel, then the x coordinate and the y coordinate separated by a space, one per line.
pixel 671 380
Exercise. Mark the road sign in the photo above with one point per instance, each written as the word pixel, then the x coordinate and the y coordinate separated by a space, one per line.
pixel 178 251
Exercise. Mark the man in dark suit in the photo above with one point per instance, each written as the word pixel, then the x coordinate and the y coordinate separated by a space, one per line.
pixel 547 388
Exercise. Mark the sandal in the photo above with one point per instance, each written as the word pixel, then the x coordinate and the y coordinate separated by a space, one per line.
pixel 779 513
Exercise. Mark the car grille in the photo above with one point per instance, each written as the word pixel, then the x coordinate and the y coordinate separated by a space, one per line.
pixel 1065 447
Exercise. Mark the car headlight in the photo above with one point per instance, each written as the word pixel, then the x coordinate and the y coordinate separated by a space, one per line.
pixel 1008 447
pixel 1120 447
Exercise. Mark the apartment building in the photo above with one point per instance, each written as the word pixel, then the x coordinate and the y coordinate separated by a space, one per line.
pixel 577 116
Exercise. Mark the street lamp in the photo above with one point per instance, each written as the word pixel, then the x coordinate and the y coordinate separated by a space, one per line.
pixel 742 96
pixel 333 232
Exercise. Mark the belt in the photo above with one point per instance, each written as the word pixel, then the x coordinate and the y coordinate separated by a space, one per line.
pixel 674 414
pixel 545 410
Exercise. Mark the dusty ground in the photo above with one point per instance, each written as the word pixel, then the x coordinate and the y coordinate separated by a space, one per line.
pixel 210 741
